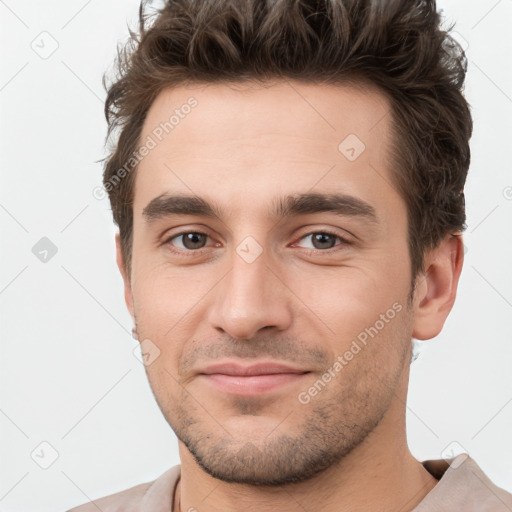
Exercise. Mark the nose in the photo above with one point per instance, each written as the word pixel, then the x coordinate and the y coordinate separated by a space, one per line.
pixel 250 298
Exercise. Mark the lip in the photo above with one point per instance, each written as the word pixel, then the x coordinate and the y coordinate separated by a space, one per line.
pixel 261 368
pixel 251 380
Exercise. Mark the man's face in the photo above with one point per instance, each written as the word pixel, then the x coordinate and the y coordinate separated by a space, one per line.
pixel 270 280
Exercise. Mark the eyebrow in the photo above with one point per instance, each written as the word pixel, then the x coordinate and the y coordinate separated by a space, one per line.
pixel 298 204
pixel 340 204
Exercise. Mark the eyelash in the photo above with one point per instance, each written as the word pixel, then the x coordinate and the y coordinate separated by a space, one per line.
pixel 194 252
pixel 337 247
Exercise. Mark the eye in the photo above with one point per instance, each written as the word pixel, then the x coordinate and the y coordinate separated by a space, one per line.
pixel 189 240
pixel 322 240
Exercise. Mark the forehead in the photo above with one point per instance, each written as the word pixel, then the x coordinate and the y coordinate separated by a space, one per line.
pixel 246 140
pixel 236 111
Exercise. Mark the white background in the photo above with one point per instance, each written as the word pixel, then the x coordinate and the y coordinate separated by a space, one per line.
pixel 68 373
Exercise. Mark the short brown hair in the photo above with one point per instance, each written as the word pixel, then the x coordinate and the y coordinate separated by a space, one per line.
pixel 396 45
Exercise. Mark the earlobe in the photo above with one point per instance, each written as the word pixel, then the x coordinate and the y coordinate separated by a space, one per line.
pixel 128 295
pixel 436 289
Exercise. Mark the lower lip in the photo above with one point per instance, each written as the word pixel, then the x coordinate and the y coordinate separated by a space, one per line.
pixel 248 385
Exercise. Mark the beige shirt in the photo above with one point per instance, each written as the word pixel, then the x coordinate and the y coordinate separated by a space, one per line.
pixel 462 486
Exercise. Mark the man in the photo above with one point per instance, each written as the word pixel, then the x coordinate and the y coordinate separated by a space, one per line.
pixel 288 183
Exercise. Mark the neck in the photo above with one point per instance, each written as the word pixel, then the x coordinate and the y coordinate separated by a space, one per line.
pixel 379 474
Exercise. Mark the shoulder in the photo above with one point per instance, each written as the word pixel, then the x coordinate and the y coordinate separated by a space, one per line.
pixel 481 490
pixel 125 501
pixel 463 486
pixel 136 498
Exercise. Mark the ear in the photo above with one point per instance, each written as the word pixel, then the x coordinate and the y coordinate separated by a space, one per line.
pixel 437 287
pixel 128 296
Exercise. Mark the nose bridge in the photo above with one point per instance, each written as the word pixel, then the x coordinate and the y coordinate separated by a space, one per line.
pixel 247 282
pixel 249 297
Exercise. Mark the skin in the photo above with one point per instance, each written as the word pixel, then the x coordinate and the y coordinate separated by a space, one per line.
pixel 242 147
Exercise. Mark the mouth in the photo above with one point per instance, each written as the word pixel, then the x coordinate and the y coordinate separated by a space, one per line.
pixel 263 377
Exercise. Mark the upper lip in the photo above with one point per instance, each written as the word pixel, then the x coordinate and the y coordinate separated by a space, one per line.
pixel 261 368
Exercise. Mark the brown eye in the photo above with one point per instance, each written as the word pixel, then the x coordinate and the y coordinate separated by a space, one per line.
pixel 190 240
pixel 323 240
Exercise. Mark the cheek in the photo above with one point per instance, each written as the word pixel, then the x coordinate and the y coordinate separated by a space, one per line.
pixel 350 298
pixel 165 296
pixel 170 307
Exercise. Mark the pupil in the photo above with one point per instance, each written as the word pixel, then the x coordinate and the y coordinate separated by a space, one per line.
pixel 323 240
pixel 193 240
